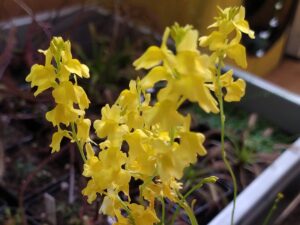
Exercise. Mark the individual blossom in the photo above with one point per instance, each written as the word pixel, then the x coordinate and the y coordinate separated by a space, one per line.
pixel 234 89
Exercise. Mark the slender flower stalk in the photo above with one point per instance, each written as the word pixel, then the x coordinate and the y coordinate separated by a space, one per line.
pixel 279 197
pixel 163 211
pixel 211 179
pixel 223 151
pixel 79 146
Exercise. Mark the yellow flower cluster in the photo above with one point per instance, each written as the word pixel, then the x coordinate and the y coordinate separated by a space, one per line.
pixel 142 139
pixel 222 40
pixel 71 100
pixel 160 146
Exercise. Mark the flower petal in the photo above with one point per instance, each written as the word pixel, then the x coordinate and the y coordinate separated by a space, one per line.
pixel 152 57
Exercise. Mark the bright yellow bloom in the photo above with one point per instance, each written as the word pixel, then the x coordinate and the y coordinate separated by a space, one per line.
pixel 235 90
pixel 141 157
pixel 230 20
pixel 80 97
pixel 61 51
pixel 64 114
pixel 43 77
pixel 155 55
pixel 141 139
pixel 71 99
pixel 165 114
pixel 185 37
pixel 109 127
pixel 188 68
pixel 105 172
pixel 67 93
pixel 142 215
pixel 83 129
pixel 57 138
pixel 151 191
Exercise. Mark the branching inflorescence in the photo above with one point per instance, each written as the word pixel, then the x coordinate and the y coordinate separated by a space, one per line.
pixel 160 142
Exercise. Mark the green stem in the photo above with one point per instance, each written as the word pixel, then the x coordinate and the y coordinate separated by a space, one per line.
pixel 274 207
pixel 189 212
pixel 79 146
pixel 224 157
pixel 163 213
pixel 211 179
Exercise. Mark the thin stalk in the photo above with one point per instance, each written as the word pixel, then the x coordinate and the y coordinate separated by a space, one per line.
pixel 224 157
pixel 189 212
pixel 79 146
pixel 163 212
pixel 211 179
pixel 272 210
pixel 175 216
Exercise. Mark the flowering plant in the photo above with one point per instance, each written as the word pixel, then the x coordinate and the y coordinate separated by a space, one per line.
pixel 160 144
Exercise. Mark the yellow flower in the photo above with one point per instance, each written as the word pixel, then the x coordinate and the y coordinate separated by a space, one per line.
pixel 141 157
pixel 220 41
pixel 232 18
pixel 151 191
pixel 165 114
pixel 105 172
pixel 186 73
pixel 142 215
pixel 235 90
pixel 67 93
pixel 158 73
pixel 108 207
pixel 141 139
pixel 57 138
pixel 152 57
pixel 64 93
pixel 155 55
pixel 43 77
pixel 61 51
pixel 109 125
pixel 185 37
pixel 83 129
pixel 80 97
pixel 64 114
